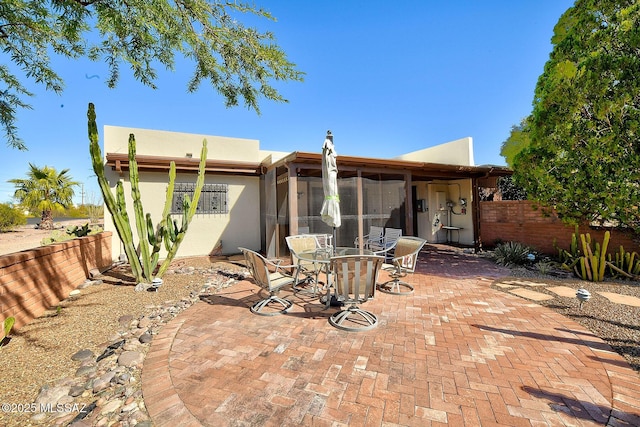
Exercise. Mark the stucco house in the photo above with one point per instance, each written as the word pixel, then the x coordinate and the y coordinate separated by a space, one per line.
pixel 255 198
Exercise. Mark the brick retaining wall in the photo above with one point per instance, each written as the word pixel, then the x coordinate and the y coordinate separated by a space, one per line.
pixel 37 279
pixel 518 221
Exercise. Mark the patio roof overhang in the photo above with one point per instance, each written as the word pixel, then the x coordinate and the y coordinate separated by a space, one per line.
pixel 119 162
pixel 420 171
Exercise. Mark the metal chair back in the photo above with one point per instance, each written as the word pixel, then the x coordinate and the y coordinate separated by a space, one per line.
pixel 406 252
pixel 355 283
pixel 355 277
pixel 258 266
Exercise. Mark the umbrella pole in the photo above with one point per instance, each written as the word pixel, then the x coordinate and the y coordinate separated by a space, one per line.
pixel 335 242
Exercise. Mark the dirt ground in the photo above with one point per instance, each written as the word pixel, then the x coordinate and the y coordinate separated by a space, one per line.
pixel 29 237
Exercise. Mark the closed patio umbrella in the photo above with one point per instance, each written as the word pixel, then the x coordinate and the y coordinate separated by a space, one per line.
pixel 330 211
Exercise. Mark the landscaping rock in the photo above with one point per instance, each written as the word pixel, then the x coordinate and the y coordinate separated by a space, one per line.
pixel 144 322
pixel 112 406
pixel 145 338
pixel 85 370
pixel 125 320
pixel 140 287
pixel 76 391
pixel 103 382
pixel 111 377
pixel 130 358
pixel 51 395
pixel 82 355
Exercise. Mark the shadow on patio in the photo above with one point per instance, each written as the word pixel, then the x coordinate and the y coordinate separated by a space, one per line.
pixel 455 352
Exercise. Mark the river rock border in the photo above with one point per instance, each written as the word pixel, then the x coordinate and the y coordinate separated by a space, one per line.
pixel 111 380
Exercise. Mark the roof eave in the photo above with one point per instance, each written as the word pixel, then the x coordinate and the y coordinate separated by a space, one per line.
pixel 119 162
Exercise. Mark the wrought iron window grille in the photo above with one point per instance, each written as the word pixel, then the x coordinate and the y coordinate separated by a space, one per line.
pixel 213 198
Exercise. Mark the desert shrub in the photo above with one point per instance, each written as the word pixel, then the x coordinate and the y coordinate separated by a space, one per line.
pixel 72 232
pixel 513 253
pixel 545 267
pixel 74 212
pixel 10 217
pixel 92 211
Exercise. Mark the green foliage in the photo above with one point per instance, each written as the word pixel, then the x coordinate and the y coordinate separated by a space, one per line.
pixel 79 231
pixel 584 158
pixel 587 258
pixel 567 256
pixel 239 62
pixel 593 261
pixel 625 264
pixel 45 190
pixel 544 267
pixel 144 266
pixel 512 253
pixel 509 190
pixel 10 217
pixel 7 325
pixel 70 233
pixel 518 140
pixel 92 211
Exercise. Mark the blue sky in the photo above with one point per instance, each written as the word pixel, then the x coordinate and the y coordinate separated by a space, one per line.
pixel 386 78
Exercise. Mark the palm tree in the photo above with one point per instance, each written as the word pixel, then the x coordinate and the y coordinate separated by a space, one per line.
pixel 45 190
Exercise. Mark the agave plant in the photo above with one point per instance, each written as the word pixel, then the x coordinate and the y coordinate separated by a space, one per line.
pixel 513 253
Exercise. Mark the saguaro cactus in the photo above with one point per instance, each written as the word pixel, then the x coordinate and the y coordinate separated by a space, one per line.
pixel 143 266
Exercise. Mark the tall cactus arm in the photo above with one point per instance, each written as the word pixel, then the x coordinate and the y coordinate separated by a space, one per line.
pixel 119 222
pixel 151 231
pixel 127 234
pixel 167 227
pixel 155 240
pixel 200 180
pixel 141 225
pixel 186 207
pixel 169 196
pixel 189 214
pixel 603 254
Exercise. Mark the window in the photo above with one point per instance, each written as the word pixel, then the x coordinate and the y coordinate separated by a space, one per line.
pixel 213 198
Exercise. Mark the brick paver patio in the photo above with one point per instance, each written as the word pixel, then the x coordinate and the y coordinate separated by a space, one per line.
pixel 456 352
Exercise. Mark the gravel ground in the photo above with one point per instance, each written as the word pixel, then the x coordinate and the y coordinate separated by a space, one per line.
pixel 616 324
pixel 40 352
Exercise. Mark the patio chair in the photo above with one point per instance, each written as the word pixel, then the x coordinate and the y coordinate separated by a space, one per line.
pixel 306 272
pixel 375 236
pixel 388 244
pixel 404 262
pixel 355 284
pixel 325 240
pixel 259 267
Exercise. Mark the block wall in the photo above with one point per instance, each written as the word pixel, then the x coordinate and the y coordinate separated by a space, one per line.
pixel 518 221
pixel 35 280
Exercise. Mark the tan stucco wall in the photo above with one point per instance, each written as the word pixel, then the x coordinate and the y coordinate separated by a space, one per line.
pixel 178 144
pixel 458 152
pixel 239 227
pixel 451 190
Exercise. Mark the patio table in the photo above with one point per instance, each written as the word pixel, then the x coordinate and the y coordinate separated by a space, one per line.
pixel 449 229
